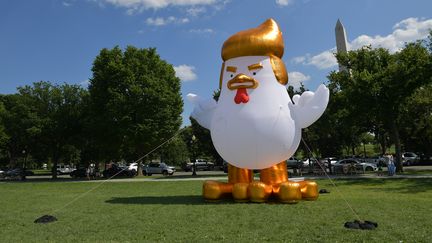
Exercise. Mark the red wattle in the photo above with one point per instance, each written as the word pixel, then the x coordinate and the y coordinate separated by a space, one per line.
pixel 241 96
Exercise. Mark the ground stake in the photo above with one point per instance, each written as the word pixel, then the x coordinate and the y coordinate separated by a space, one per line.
pixel 45 219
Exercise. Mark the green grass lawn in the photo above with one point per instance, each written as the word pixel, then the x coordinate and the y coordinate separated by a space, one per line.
pixel 175 212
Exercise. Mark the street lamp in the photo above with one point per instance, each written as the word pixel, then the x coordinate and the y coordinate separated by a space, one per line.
pixel 193 155
pixel 23 176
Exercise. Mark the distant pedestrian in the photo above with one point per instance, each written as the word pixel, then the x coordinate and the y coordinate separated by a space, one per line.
pixel 92 172
pixel 88 172
pixel 391 166
pixel 329 165
pixel 380 167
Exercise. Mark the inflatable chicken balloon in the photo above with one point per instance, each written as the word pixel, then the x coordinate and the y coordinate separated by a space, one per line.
pixel 255 125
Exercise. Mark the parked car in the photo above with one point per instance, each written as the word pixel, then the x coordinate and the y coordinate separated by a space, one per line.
pixel 133 167
pixel 79 173
pixel 338 166
pixel 306 162
pixel 2 172
pixel 373 159
pixel 158 168
pixel 82 173
pixel 118 171
pixel 410 158
pixel 333 160
pixel 16 173
pixel 294 163
pixel 200 164
pixel 64 169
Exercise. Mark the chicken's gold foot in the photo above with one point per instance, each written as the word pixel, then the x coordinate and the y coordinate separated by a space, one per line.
pixel 215 190
pixel 260 192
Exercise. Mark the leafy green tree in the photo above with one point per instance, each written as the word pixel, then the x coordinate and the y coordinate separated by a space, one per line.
pixel 416 121
pixel 334 131
pixel 3 136
pixel 59 108
pixel 22 127
pixel 135 102
pixel 379 82
pixel 175 152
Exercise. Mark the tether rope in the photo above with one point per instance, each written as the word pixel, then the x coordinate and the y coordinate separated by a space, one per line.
pixel 332 182
pixel 171 138
pixel 104 181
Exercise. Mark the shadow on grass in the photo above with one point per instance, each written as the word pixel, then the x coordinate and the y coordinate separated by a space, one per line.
pixel 191 176
pixel 397 185
pixel 36 179
pixel 165 200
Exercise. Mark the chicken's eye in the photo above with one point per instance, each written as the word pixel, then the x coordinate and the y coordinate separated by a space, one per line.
pixel 254 73
pixel 232 75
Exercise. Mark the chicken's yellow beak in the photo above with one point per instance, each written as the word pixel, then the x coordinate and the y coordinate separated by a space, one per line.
pixel 242 81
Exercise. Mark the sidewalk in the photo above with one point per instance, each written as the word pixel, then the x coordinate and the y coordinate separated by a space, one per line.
pixel 222 178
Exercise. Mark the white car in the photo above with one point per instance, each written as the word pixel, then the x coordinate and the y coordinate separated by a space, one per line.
pixel 306 162
pixel 64 169
pixel 133 166
pixel 333 160
pixel 359 165
pixel 158 168
pixel 409 158
pixel 200 164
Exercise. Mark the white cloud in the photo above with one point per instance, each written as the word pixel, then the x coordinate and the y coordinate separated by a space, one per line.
pixel 134 6
pixel 67 4
pixel 160 21
pixel 85 83
pixel 298 60
pixel 284 2
pixel 407 30
pixel 195 11
pixel 202 31
pixel 185 72
pixel 323 60
pixel 296 79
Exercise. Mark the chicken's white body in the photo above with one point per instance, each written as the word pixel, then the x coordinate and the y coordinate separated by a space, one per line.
pixel 267 128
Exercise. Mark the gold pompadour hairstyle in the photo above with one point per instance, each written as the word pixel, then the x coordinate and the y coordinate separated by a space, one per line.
pixel 264 40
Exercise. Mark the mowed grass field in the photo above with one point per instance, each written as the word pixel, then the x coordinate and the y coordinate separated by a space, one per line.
pixel 173 211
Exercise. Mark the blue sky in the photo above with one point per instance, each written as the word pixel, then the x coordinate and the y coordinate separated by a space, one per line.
pixel 57 40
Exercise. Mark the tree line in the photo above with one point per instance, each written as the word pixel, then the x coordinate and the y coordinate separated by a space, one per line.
pixel 383 96
pixel 133 103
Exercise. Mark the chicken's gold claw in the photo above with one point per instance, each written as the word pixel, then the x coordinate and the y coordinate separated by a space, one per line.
pixel 240 192
pixel 215 190
pixel 309 190
pixel 259 191
pixel 289 192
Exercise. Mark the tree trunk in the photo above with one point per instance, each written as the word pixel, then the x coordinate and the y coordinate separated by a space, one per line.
pixel 54 166
pixel 12 162
pixel 24 167
pixel 380 138
pixel 396 138
pixel 383 146
pixel 139 168
pixel 54 169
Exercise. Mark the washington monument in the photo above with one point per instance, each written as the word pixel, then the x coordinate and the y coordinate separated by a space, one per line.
pixel 341 41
